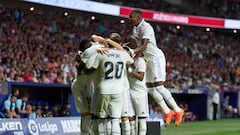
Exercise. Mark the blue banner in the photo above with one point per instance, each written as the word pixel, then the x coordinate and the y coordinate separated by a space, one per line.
pixel 41 126
pixel 49 126
pixel 199 90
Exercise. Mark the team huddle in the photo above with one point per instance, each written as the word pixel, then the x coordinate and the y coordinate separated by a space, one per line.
pixel 113 82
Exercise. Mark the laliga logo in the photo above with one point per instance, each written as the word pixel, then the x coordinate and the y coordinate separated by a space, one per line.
pixel 33 128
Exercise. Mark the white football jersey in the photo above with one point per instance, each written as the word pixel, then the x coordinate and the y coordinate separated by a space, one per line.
pixel 126 82
pixel 138 88
pixel 145 30
pixel 111 68
pixel 90 51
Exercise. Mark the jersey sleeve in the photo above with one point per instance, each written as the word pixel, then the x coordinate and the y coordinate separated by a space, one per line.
pixel 86 55
pixel 18 103
pixel 93 61
pixel 140 65
pixel 88 52
pixel 129 60
pixel 146 31
pixel 7 105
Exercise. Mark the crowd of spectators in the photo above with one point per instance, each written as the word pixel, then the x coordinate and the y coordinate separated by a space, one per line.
pixel 213 8
pixel 19 106
pixel 221 8
pixel 38 46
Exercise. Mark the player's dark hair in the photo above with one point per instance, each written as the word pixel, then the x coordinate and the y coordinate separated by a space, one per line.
pixel 14 91
pixel 116 37
pixel 137 11
pixel 25 95
pixel 13 96
pixel 126 48
pixel 84 44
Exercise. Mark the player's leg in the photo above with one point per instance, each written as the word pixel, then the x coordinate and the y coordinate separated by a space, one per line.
pixel 160 71
pixel 171 102
pixel 132 120
pixel 133 125
pixel 94 130
pixel 125 125
pixel 82 103
pixel 75 88
pixel 154 74
pixel 86 124
pixel 125 113
pixel 109 126
pixel 102 111
pixel 115 112
pixel 141 108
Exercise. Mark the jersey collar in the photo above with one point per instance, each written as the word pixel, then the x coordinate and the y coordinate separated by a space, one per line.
pixel 140 23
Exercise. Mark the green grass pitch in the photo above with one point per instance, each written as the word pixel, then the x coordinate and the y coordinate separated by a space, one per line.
pixel 218 127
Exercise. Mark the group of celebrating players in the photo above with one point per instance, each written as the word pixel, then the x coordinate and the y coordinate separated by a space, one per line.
pixel 114 79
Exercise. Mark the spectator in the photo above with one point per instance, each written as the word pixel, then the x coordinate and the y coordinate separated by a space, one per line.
pixel 32 109
pixel 66 110
pixel 45 110
pixel 11 77
pixel 228 109
pixel 21 107
pixel 38 112
pixel 9 107
pixel 151 110
pixel 14 92
pixel 38 105
pixel 55 110
pixel 215 103
pixel 45 54
pixel 188 115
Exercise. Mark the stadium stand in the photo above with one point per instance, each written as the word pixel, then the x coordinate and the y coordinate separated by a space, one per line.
pixel 213 8
pixel 48 41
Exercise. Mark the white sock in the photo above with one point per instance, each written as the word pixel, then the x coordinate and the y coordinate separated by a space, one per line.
pixel 160 101
pixel 126 128
pixel 168 98
pixel 116 130
pixel 102 126
pixel 142 127
pixel 133 127
pixel 151 89
pixel 86 125
pixel 95 126
pixel 109 127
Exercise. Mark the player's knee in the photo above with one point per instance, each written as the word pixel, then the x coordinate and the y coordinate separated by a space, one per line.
pixel 125 118
pixel 132 118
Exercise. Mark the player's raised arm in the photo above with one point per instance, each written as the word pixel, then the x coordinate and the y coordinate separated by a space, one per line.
pixel 114 44
pixel 99 39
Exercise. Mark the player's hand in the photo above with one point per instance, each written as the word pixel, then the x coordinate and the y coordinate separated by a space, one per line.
pixel 103 50
pixel 77 57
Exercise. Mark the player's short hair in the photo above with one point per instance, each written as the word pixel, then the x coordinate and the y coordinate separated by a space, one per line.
pixel 84 44
pixel 128 49
pixel 137 11
pixel 25 95
pixel 116 37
